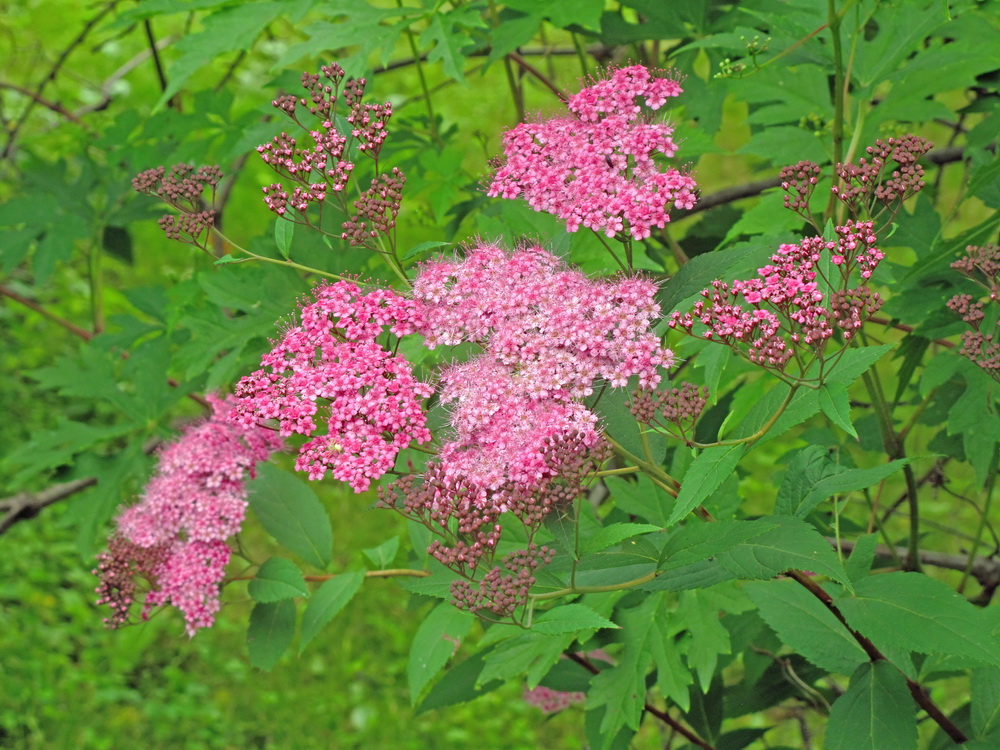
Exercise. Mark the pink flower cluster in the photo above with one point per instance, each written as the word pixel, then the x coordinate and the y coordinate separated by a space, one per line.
pixel 548 332
pixel 175 537
pixel 782 308
pixel 550 701
pixel 595 167
pixel 331 366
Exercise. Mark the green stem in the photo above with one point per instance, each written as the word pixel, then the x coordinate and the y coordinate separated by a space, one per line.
pixel 278 262
pixel 96 287
pixel 894 448
pixel 594 589
pixel 762 431
pixel 615 472
pixel 833 22
pixel 435 134
pixel 988 489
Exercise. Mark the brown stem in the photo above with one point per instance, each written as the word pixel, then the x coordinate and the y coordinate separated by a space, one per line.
pixel 50 76
pixel 531 69
pixel 661 715
pixel 28 504
pixel 919 696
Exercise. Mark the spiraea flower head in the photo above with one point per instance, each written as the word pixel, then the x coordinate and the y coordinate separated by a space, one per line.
pixel 174 538
pixel 596 166
pixel 980 345
pixel 329 378
pixel 768 317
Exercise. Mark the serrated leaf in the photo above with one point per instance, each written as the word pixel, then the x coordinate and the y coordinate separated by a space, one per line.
pixel 806 469
pixel 985 700
pixel 708 471
pixel 458 685
pixel 859 564
pixel 383 554
pixel 569 618
pixel 854 362
pixel 918 613
pixel 326 602
pixel 284 230
pixel 272 627
pixel 790 544
pixel 804 624
pixel 830 481
pixel 641 498
pixel 277 579
pixel 292 513
pixel 435 642
pixel 530 651
pixel 836 404
pixel 447 47
pixel 876 712
pixel 707 636
pixel 616 533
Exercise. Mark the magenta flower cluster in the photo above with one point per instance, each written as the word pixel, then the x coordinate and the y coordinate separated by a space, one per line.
pixel 547 333
pixel 175 537
pixel 783 307
pixel 331 369
pixel 595 167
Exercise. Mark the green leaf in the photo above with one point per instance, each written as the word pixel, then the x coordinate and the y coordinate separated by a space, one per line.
pixel 422 247
pixel 854 362
pixel 616 533
pixel 613 409
pixel 820 478
pixel 707 636
pixel 859 564
pixel 272 627
pixel 702 270
pixel 622 688
pixel 458 685
pixel 436 641
pixel 531 652
pixel 283 232
pixel 708 471
pixel 836 404
pixel 641 498
pixel 277 579
pixel 790 544
pixel 569 618
pixel 382 555
pixel 326 602
pixel 290 511
pixel 228 30
pixel 447 47
pixel 804 624
pixel 985 700
pixel 876 712
pixel 918 613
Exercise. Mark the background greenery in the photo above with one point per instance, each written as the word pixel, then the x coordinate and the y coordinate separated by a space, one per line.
pixel 85 105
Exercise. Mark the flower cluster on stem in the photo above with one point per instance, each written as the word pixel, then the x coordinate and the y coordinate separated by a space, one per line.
pixel 330 378
pixel 174 538
pixel 321 172
pixel 183 188
pixel 595 166
pixel 982 266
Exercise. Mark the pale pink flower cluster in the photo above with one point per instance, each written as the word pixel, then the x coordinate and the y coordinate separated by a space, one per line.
pixel 595 167
pixel 331 368
pixel 547 333
pixel 783 307
pixel 175 537
pixel 550 701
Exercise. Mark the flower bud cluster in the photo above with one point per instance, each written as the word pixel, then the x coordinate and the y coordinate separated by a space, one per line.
pixel 175 537
pixel 771 317
pixel 183 189
pixel 799 181
pixel 595 167
pixel 323 170
pixel 330 369
pixel 677 406
pixel 981 265
pixel 869 182
pixel 377 209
